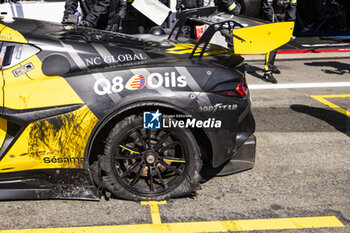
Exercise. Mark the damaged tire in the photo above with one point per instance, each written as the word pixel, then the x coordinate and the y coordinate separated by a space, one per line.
pixel 150 164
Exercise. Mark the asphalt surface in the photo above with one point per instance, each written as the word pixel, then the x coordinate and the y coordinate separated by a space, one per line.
pixel 302 166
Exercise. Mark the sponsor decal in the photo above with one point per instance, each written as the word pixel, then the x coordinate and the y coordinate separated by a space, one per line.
pixel 104 86
pixel 155 120
pixel 191 123
pixel 218 107
pixel 50 159
pixel 8 38
pixel 63 160
pixel 23 69
pixel 151 120
pixel 114 59
pixel 156 80
pixel 137 82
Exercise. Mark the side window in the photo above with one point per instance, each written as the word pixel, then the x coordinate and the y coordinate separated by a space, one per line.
pixel 2 54
pixel 12 54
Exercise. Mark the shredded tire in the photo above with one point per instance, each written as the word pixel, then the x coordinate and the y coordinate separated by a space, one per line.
pixel 111 182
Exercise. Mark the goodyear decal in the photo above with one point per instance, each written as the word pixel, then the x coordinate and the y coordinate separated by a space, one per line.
pixel 54 143
pixel 136 82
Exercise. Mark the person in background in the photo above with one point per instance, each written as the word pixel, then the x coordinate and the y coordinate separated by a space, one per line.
pixel 100 14
pixel 188 4
pixel 276 11
pixel 230 6
pixel 165 2
pixel 137 23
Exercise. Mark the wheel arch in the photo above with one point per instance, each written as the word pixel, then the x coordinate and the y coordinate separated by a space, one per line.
pixel 96 141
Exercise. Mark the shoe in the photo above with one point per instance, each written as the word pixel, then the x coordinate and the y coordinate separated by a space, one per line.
pixel 275 70
pixel 268 77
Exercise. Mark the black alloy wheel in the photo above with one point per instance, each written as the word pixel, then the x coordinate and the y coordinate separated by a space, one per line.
pixel 150 164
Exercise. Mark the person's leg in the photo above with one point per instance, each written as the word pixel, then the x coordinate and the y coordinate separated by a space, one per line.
pixel 272 66
pixel 237 10
pixel 269 61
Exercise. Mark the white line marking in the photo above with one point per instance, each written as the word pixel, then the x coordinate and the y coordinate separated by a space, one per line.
pixel 298 85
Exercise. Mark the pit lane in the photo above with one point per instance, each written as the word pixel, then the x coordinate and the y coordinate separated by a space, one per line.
pixel 302 169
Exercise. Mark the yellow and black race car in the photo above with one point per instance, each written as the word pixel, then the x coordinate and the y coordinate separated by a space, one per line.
pixel 84 111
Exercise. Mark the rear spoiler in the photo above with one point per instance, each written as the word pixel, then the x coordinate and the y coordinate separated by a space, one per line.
pixel 244 35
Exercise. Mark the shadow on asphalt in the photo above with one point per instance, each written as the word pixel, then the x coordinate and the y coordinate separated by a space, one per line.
pixel 208 172
pixel 255 71
pixel 339 121
pixel 339 68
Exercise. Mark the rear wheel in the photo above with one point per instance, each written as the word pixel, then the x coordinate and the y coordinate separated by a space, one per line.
pixel 150 164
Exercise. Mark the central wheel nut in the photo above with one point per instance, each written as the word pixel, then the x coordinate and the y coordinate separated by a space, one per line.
pixel 150 157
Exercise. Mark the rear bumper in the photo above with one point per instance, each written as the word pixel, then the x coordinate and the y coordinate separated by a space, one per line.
pixel 243 159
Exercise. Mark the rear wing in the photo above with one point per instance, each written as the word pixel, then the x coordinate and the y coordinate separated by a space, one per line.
pixel 243 35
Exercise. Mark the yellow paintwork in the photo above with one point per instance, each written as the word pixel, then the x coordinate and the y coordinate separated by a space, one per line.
pixel 185 48
pixel 135 152
pixel 174 161
pixel 3 130
pixel 36 90
pixel 263 38
pixel 8 34
pixel 2 27
pixel 56 143
pixel 1 86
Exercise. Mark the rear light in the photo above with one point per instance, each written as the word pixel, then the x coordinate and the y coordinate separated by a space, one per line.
pixel 240 91
pixel 242 88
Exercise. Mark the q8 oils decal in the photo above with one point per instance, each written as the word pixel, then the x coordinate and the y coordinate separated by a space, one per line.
pixel 168 80
pixel 58 142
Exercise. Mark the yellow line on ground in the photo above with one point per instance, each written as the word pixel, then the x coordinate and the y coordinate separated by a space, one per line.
pixel 154 210
pixel 334 96
pixel 187 227
pixel 322 99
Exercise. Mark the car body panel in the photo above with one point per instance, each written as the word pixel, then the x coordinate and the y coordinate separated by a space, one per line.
pixel 9 34
pixel 58 142
pixel 52 115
